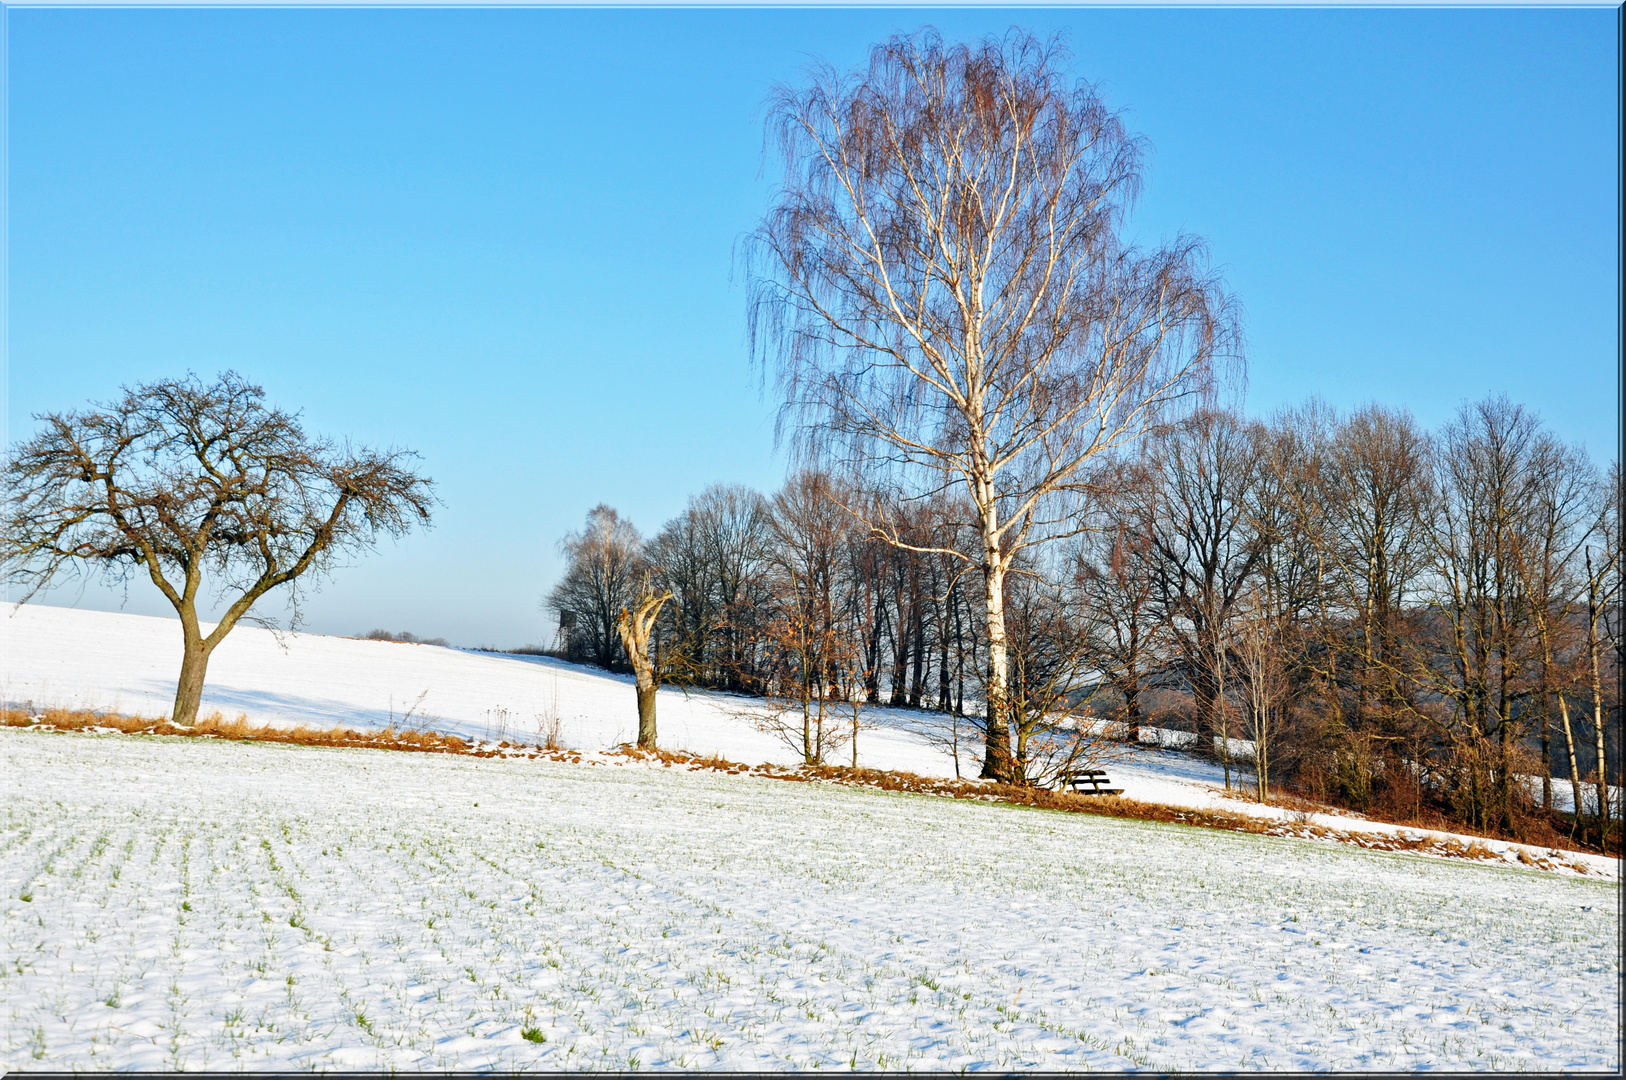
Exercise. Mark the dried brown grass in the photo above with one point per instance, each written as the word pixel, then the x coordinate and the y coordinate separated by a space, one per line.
pixel 551 731
pixel 238 729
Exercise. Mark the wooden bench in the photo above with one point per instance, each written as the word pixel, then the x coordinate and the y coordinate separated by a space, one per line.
pixel 1089 782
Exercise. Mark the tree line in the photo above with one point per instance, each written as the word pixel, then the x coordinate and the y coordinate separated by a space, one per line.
pixel 1384 617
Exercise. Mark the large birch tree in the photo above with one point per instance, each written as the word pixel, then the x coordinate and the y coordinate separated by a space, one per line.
pixel 944 293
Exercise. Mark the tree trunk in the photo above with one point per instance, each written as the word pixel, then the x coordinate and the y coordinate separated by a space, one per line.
pixel 1261 760
pixel 189 690
pixel 1592 611
pixel 1546 751
pixel 807 726
pixel 996 762
pixel 1208 694
pixel 899 695
pixel 872 651
pixel 634 630
pixel 194 663
pixel 917 682
pixel 646 715
pixel 959 670
pixel 1547 695
pixel 1131 692
pixel 1603 769
pixel 1569 742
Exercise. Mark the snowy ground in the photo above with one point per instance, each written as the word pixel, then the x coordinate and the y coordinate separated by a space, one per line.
pixel 63 657
pixel 68 658
pixel 179 903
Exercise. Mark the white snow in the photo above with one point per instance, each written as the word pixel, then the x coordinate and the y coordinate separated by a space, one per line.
pixel 199 904
pixel 69 658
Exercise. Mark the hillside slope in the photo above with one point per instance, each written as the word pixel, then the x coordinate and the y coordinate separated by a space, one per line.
pixel 57 657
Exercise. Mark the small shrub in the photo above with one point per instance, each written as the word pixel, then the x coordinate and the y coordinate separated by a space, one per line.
pixel 550 730
pixel 403 638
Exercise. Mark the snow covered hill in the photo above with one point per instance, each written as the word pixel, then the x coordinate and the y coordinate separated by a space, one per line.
pixel 71 658
pixel 198 904
pixel 68 658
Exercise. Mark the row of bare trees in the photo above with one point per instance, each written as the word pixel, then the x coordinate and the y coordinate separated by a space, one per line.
pixel 1387 616
pixel 1381 616
pixel 789 597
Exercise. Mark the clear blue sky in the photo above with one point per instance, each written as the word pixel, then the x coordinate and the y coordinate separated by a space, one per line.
pixel 503 237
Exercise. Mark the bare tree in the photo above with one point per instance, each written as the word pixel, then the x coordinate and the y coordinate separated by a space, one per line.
pixel 183 480
pixel 1204 550
pixel 605 565
pixel 712 558
pixel 944 293
pixel 1117 595
pixel 1603 596
pixel 1052 682
pixel 1259 650
pixel 1367 500
pixel 681 564
pixel 1545 557
pixel 849 652
pixel 806 632
pixel 634 628
pixel 1485 508
pixel 735 523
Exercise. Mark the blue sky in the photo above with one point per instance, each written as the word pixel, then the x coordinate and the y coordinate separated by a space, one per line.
pixel 504 238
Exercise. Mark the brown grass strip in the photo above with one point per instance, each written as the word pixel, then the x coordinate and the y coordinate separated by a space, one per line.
pixel 216 726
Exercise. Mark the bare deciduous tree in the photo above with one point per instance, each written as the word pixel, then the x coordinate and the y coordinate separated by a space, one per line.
pixel 944 293
pixel 1603 604
pixel 605 565
pixel 182 480
pixel 1054 735
pixel 1117 593
pixel 1371 489
pixel 1485 508
pixel 713 559
pixel 634 627
pixel 1260 653
pixel 1204 548
pixel 807 630
pixel 1545 557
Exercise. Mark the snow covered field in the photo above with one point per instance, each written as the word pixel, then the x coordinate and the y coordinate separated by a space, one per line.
pixel 177 903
